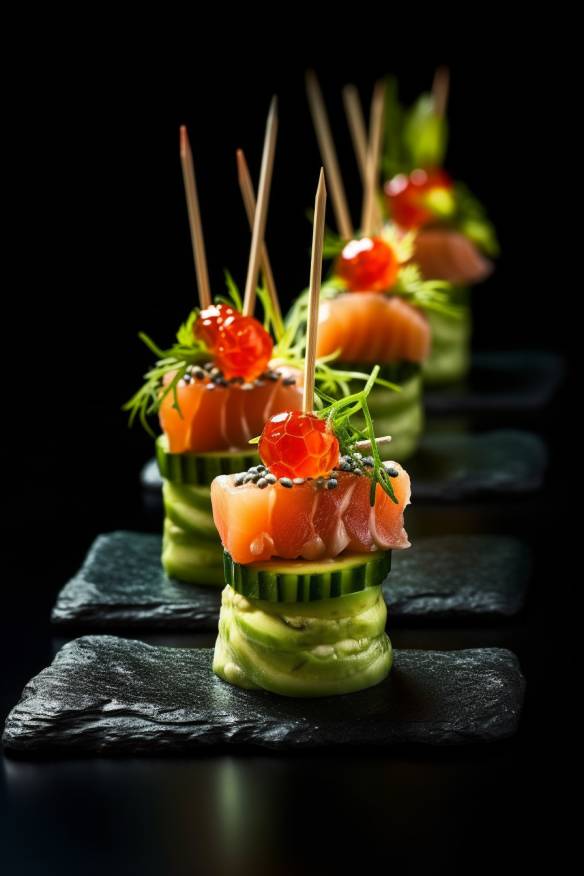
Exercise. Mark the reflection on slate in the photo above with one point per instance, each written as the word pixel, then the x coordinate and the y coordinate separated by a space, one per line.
pixel 116 696
pixel 450 466
pixel 122 585
pixel 504 382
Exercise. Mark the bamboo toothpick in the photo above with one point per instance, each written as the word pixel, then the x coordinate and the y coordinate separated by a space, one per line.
pixel 261 211
pixel 249 202
pixel 370 214
pixel 440 90
pixel 314 293
pixel 329 156
pixel 197 240
pixel 366 444
pixel 356 122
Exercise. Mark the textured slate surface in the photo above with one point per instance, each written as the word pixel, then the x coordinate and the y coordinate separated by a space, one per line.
pixel 514 381
pixel 122 585
pixel 105 695
pixel 450 466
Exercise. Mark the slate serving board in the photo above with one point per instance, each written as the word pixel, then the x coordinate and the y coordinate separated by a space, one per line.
pixel 105 695
pixel 121 585
pixel 503 382
pixel 449 466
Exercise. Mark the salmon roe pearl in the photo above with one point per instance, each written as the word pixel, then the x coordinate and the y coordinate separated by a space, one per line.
pixel 368 265
pixel 421 197
pixel 297 445
pixel 240 345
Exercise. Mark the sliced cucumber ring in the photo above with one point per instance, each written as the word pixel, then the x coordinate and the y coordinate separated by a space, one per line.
pixel 301 581
pixel 293 654
pixel 200 468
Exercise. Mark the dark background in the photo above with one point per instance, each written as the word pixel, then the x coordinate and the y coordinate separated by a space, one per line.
pixel 102 247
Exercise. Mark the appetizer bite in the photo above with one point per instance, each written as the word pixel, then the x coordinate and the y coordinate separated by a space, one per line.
pixel 375 303
pixel 215 387
pixel 454 240
pixel 308 536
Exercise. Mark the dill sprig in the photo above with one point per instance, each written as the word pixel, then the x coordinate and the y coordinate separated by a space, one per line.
pixel 339 413
pixel 175 360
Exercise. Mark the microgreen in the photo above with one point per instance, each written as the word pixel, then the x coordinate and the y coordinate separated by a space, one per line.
pixel 339 413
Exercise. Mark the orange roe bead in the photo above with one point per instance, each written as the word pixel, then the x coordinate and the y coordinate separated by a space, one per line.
pixel 297 445
pixel 368 265
pixel 410 198
pixel 210 321
pixel 239 345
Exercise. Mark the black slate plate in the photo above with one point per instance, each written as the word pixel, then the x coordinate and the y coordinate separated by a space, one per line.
pixel 450 466
pixel 502 382
pixel 121 584
pixel 105 695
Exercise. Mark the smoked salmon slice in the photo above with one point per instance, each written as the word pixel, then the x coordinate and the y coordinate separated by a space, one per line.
pixel 308 521
pixel 225 417
pixel 368 327
pixel 442 254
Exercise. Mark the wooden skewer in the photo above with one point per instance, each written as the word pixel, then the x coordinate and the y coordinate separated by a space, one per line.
pixel 440 90
pixel 197 240
pixel 249 202
pixel 314 293
pixel 370 212
pixel 366 444
pixel 329 156
pixel 356 122
pixel 261 211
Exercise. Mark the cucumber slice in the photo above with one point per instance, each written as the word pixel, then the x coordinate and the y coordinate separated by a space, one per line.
pixel 190 512
pixel 449 358
pixel 201 468
pixel 195 563
pixel 283 629
pixel 300 581
pixel 290 655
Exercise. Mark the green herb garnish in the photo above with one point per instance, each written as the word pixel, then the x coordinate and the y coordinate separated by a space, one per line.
pixel 339 412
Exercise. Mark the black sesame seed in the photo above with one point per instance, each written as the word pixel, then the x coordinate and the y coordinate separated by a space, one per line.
pixel 251 478
pixel 271 479
pixel 239 479
pixel 254 469
pixel 346 465
pixel 262 483
pixel 219 381
pixel 332 483
pixel 289 381
pixel 286 482
pixel 368 460
pixel 236 380
pixel 187 378
pixel 198 373
pixel 298 481
pixel 208 366
pixel 392 472
pixel 272 375
pixel 260 467
pixel 216 372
